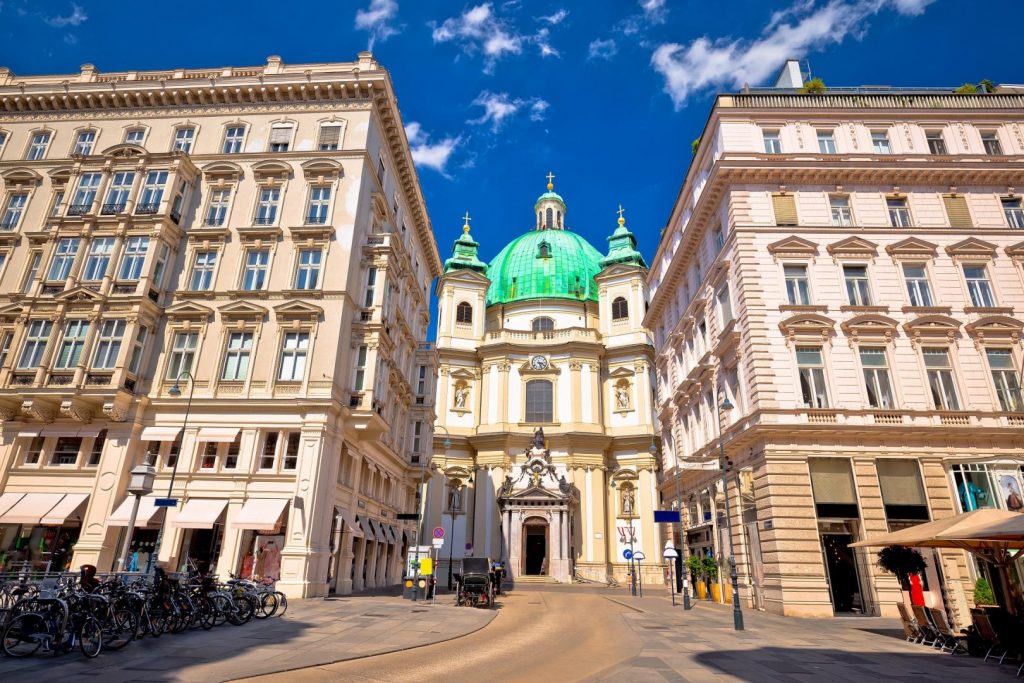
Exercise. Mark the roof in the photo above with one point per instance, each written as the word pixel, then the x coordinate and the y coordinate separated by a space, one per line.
pixel 565 270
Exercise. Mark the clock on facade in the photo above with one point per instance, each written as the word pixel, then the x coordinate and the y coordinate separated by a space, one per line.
pixel 539 363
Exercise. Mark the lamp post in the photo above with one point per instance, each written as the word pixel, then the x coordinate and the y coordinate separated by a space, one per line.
pixel 419 508
pixel 456 484
pixel 632 565
pixel 175 392
pixel 140 484
pixel 737 613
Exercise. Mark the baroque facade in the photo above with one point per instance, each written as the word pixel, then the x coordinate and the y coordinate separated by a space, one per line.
pixel 848 272
pixel 255 236
pixel 543 449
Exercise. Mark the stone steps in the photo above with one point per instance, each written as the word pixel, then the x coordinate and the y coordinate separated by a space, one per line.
pixel 534 579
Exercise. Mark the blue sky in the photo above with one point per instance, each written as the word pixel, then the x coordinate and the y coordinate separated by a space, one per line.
pixel 607 95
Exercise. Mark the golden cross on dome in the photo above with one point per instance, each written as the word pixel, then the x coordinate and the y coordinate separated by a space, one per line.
pixel 551 177
pixel 622 221
pixel 467 219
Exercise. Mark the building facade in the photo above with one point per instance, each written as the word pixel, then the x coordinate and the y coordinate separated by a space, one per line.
pixel 542 454
pixel 255 238
pixel 847 271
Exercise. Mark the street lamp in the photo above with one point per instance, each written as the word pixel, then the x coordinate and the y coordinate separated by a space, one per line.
pixel 737 613
pixel 175 392
pixel 140 484
pixel 452 511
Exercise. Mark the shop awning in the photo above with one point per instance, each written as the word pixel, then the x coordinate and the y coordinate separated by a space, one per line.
pixel 378 531
pixel 72 506
pixel 7 501
pixel 200 513
pixel 61 430
pixel 218 434
pixel 31 508
pixel 263 514
pixel 350 523
pixel 390 531
pixel 368 531
pixel 148 512
pixel 409 540
pixel 160 434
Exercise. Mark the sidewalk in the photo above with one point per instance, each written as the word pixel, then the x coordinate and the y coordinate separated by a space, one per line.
pixel 313 632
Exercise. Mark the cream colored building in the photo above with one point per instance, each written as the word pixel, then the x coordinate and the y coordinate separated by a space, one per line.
pixel 848 270
pixel 259 228
pixel 548 336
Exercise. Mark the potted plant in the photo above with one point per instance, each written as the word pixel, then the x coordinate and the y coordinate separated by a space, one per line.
pixel 983 595
pixel 905 563
pixel 695 565
pixel 711 573
pixel 815 86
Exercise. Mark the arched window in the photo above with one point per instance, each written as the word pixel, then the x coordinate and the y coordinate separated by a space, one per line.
pixel 620 309
pixel 539 401
pixel 463 313
pixel 548 217
pixel 543 324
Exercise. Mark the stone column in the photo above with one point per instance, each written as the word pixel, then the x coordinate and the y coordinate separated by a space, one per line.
pixel 358 582
pixel 344 583
pixel 515 545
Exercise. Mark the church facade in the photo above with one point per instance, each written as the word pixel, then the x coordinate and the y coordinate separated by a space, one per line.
pixel 544 454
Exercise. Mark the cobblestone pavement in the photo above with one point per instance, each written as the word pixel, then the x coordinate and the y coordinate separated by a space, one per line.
pixel 313 631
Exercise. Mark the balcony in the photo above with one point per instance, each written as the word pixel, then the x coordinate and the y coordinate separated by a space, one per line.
pixel 112 209
pixel 570 334
pixel 78 209
pixel 147 209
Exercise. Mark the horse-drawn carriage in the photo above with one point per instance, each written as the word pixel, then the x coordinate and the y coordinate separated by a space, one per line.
pixel 476 585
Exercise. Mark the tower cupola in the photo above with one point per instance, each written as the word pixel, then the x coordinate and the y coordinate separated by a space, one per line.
pixel 550 208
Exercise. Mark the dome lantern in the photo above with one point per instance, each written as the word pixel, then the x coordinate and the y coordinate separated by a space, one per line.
pixel 550 208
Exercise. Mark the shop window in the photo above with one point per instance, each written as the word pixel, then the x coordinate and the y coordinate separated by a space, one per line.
pixel 291 453
pixel 832 484
pixel 902 490
pixel 66 450
pixel 974 487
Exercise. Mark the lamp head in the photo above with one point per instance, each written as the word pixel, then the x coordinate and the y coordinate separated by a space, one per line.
pixel 447 443
pixel 174 391
pixel 653 448
pixel 727 404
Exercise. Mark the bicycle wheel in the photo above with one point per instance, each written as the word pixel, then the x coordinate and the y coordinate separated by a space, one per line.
pixel 245 607
pixel 221 609
pixel 157 623
pixel 207 615
pixel 267 606
pixel 24 634
pixel 282 603
pixel 120 630
pixel 90 637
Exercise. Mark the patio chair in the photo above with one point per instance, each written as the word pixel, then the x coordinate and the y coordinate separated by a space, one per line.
pixel 951 642
pixel 984 627
pixel 929 634
pixel 910 627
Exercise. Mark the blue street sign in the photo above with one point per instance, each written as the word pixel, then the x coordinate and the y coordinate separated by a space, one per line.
pixel 165 503
pixel 666 516
pixel 628 554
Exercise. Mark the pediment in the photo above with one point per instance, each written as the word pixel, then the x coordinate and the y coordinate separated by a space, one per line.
pixel 271 167
pixel 13 311
pixel 808 324
pixel 912 246
pixel 870 325
pixel 222 169
pixel 79 294
pixel 622 371
pixel 322 168
pixel 125 150
pixel 467 276
pixel 535 492
pixel 617 269
pixel 1016 250
pixel 189 309
pixel 972 246
pixel 17 177
pixel 793 246
pixel 298 310
pixel 936 325
pixel 995 326
pixel 462 373
pixel 853 246
pixel 242 309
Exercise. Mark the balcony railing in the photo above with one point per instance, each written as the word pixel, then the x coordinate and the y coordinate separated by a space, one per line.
pixel 316 220
pixel 78 209
pixel 264 220
pixel 147 209
pixel 112 209
pixel 8 225
pixel 213 221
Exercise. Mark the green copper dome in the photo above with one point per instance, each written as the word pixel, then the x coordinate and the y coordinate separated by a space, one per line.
pixel 555 264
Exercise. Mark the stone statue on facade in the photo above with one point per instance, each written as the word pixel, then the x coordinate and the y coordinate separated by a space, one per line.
pixel 538 439
pixel 454 498
pixel 622 397
pixel 627 502
pixel 461 396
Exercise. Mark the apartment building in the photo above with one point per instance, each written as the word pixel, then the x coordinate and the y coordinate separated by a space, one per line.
pixel 846 271
pixel 223 272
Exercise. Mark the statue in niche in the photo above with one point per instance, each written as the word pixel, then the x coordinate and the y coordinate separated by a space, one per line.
pixel 454 497
pixel 628 501
pixel 461 395
pixel 622 396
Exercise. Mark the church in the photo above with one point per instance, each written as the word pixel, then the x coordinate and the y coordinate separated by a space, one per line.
pixel 544 453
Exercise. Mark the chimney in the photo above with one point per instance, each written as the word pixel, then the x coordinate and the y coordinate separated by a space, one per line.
pixel 790 76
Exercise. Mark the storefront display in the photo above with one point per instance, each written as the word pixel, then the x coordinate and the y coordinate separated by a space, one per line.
pixel 261 556
pixel 37 548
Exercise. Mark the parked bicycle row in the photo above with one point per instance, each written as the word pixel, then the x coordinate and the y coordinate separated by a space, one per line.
pixel 56 614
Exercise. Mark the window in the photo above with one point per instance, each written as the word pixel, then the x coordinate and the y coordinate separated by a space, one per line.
pixel 209 460
pixel 330 137
pixel 371 283
pixel 798 290
pixel 37 149
pixel 81 202
pixel 899 214
pixel 1013 211
pixel 841 213
pixel 35 449
pixel 134 136
pixel 233 136
pixel 772 143
pixel 203 265
pixel 108 346
pixel 217 210
pixel 234 448
pixel 421 381
pixel 978 286
pixel 620 309
pixel 236 357
pixel 785 209
pixel 183 352
pixel 30 273
pixel 5 347
pixel 13 211
pixel 876 377
pixel 880 142
pixel 417 433
pixel 539 401
pixel 382 171
pixel 940 378
pixel 1005 378
pixel 956 210
pixel 542 324
pixel 991 143
pixel 3 140
pixel 319 203
pixel 66 450
pixel 152 193
pixel 718 238
pixel 138 349
pixel 179 200
pixel 307 274
pixel 280 138
pixel 902 490
pixel 36 338
pixel 84 143
pixel 58 202
pixel 97 448
pixel 360 378
pixel 256 265
pixel 918 290
pixel 812 376
pixel 266 207
pixel 291 452
pixel 857 285
pixel 134 256
pixel 70 352
pixel 161 264
pixel 117 195
pixel 464 313
pixel 183 138
pixel 293 356
pixel 826 142
pixel 269 455
pixel 724 305
pixel 936 143
pixel 64 256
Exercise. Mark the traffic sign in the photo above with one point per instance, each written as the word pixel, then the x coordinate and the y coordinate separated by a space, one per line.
pixel 666 516
pixel 165 503
pixel 438 532
pixel 469 547
pixel 438 542
pixel 628 554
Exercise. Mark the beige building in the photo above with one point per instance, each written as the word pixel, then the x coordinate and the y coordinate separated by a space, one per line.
pixel 847 269
pixel 542 454
pixel 257 234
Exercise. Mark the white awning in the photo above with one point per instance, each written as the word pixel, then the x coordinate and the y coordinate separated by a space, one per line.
pixel 350 523
pixel 31 508
pixel 31 432
pixel 200 513
pixel 7 501
pixel 160 434
pixel 218 434
pixel 367 529
pixel 263 514
pixel 72 506
pixel 148 512
pixel 71 431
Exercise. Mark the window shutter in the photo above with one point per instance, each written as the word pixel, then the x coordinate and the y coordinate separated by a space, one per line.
pixel 330 134
pixel 956 209
pixel 785 209
pixel 900 481
pixel 832 481
pixel 280 135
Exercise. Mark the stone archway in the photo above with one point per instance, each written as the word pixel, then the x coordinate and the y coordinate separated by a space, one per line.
pixel 536 541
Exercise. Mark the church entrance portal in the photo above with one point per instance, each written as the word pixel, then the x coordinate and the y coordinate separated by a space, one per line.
pixel 535 542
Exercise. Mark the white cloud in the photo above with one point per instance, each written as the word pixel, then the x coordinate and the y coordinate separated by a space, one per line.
pixel 654 10
pixel 556 18
pixel 70 39
pixel 480 30
pixel 790 33
pixel 377 19
pixel 498 107
pixel 426 154
pixel 602 49
pixel 76 18
pixel 544 46
pixel 538 109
